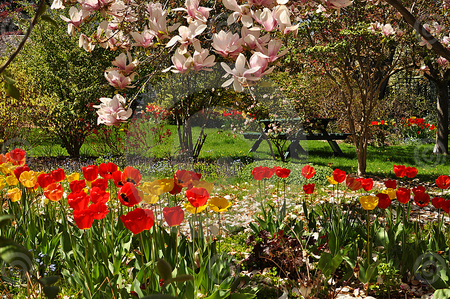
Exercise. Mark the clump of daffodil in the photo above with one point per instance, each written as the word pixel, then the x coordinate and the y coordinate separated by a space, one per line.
pixel 218 204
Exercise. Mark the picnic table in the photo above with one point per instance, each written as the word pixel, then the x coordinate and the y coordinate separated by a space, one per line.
pixel 313 129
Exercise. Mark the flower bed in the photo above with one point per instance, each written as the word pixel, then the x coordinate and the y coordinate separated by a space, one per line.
pixel 108 233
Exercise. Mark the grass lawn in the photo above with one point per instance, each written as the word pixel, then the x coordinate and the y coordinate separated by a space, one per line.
pixel 225 147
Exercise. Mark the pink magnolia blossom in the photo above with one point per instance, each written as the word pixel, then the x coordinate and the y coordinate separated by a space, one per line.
pixel 252 38
pixel 121 63
pixel 273 49
pixel 158 20
pixel 240 74
pixel 424 70
pixel 266 3
pixel 283 16
pixel 201 60
pixel 338 4
pixel 265 18
pixel 86 43
pixel 227 44
pixel 111 111
pixel 239 11
pixel 443 62
pixel 187 34
pixel 181 60
pixel 119 80
pixel 195 11
pixel 387 30
pixel 144 39
pixel 260 61
pixel 76 18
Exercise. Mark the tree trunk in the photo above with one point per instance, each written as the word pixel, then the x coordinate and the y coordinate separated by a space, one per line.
pixel 441 146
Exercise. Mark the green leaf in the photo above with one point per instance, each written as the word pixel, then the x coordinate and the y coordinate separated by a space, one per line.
pixel 219 294
pixel 4 219
pixel 158 296
pixel 328 264
pixel 49 280
pixel 164 269
pixel 182 278
pixel 9 80
pixel 51 292
pixel 242 296
pixel 12 91
pixel 15 254
pixel 441 294
pixel 47 18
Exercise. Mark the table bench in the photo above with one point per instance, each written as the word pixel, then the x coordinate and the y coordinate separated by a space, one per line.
pixel 315 129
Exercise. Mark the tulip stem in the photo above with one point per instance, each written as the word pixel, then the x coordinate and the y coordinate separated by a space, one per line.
pixel 368 239
pixel 142 258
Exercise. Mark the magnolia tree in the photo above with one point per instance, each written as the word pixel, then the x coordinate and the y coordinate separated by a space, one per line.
pixel 246 38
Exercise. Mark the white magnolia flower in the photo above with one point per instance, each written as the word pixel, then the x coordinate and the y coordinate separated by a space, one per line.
pixel 111 111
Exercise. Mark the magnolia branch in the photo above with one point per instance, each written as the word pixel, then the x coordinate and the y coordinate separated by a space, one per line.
pixel 39 11
pixel 438 48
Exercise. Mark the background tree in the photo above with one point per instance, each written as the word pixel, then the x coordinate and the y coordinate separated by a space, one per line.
pixel 73 78
pixel 358 53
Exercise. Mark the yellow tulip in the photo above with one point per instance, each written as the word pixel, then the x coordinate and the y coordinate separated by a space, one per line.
pixel 11 180
pixel 14 194
pixel 204 184
pixel 7 168
pixel 331 180
pixel 73 177
pixel 218 204
pixel 391 193
pixel 193 210
pixel 369 202
pixel 153 188
pixel 2 182
pixel 150 198
pixel 28 179
pixel 166 185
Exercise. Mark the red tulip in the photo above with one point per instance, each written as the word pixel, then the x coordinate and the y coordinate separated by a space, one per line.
pixel 131 175
pixel 106 170
pixel 411 172
pixel 176 189
pixel 352 183
pixel 98 195
pixel 45 179
pixel 90 172
pixel 77 185
pixel 339 175
pixel 367 184
pixel 400 170
pixel 383 200
pixel 403 195
pixel 58 175
pixel 129 195
pixel 138 220
pixel 197 196
pixel 282 172
pixel 100 183
pixel 418 189
pixel 390 184
pixel 309 188
pixel 268 172
pixel 173 216
pixel 437 202
pixel 54 192
pixel 17 156
pixel 443 181
pixel 422 199
pixel 308 171
pixel 258 173
pixel 446 206
pixel 195 176
pixel 18 170
pixel 83 219
pixel 78 200
pixel 99 210
pixel 183 178
pixel 117 178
